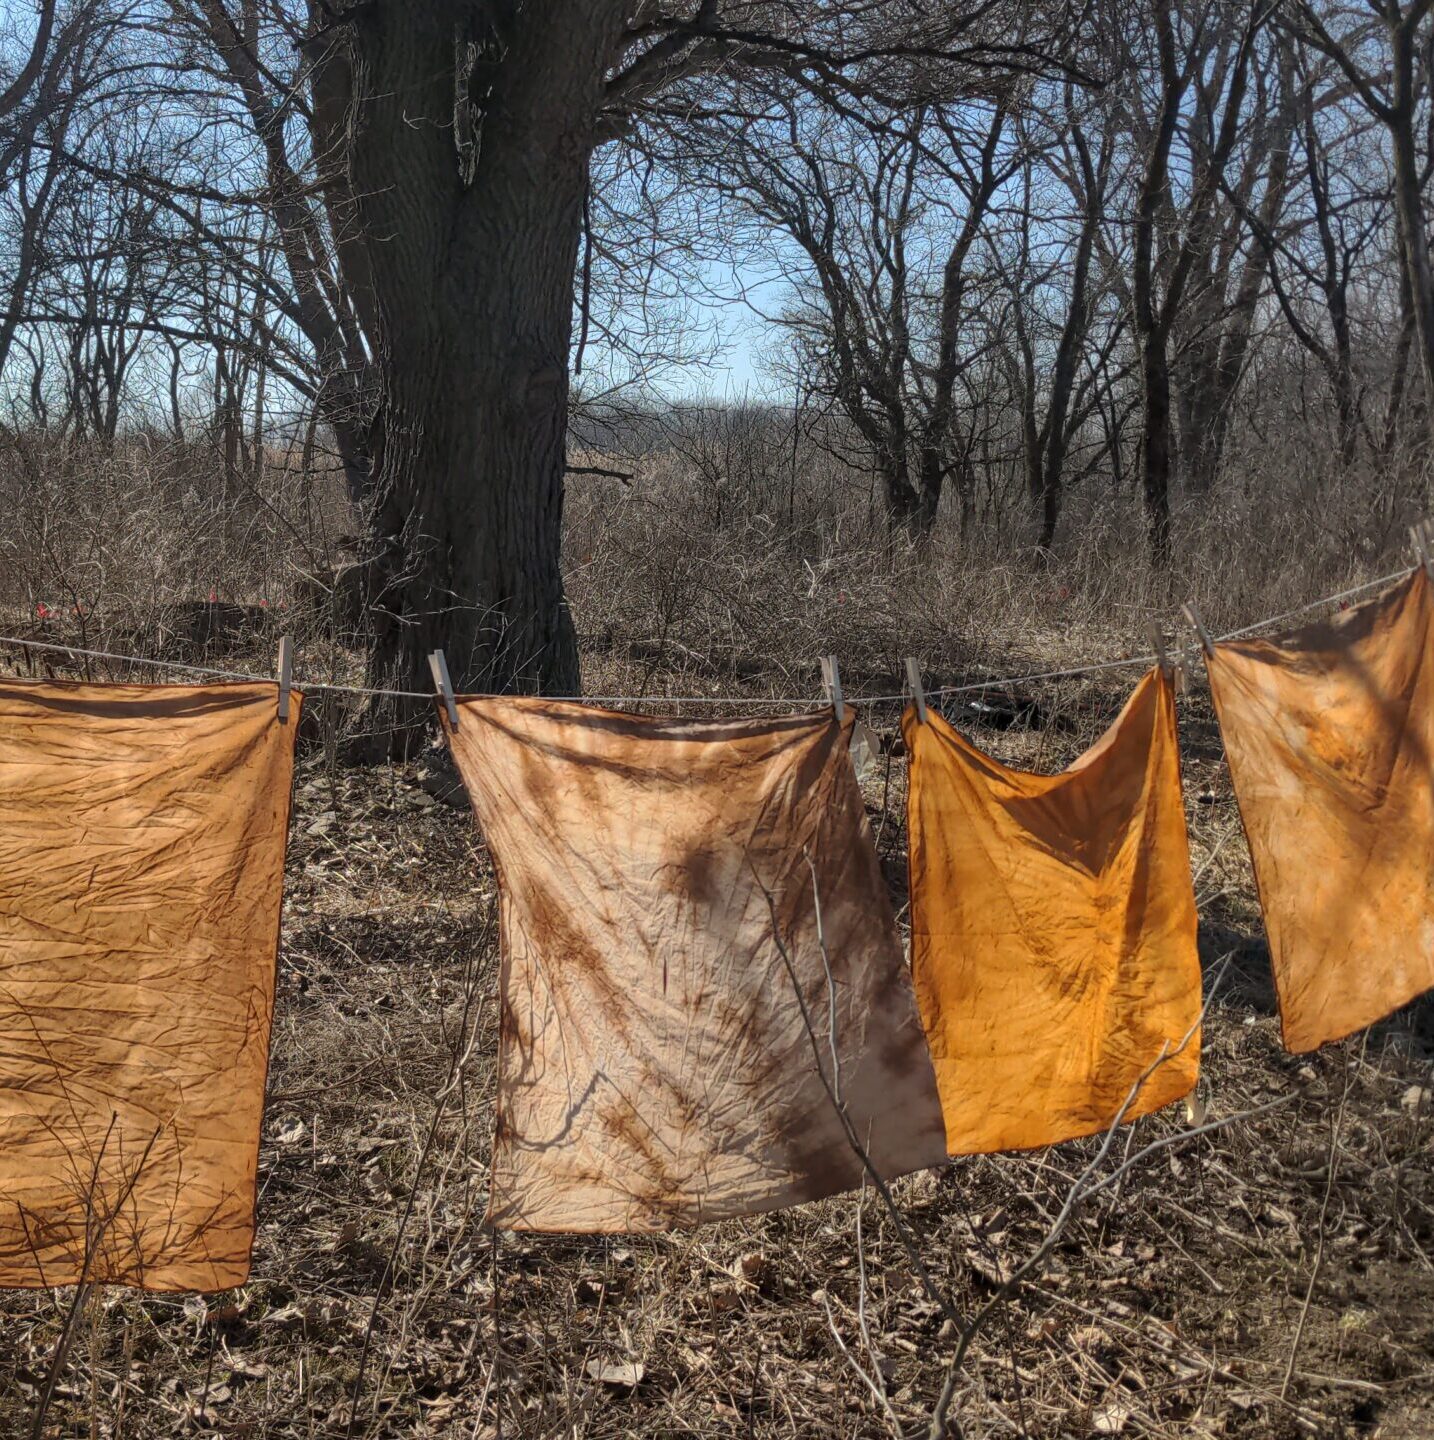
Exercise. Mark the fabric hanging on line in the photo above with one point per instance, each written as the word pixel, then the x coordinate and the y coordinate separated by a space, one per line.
pixel 142 833
pixel 1329 733
pixel 1053 930
pixel 655 1069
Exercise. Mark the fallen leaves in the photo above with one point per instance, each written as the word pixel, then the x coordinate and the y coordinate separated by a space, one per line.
pixel 290 1132
pixel 1111 1418
pixel 619 1374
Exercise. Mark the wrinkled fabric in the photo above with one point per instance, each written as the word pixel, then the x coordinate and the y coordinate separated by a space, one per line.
pixel 1053 930
pixel 1329 733
pixel 142 834
pixel 654 1068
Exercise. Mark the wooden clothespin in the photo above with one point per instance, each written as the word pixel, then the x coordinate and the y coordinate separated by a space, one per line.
pixel 1171 665
pixel 444 686
pixel 286 676
pixel 1192 618
pixel 831 680
pixel 1420 535
pixel 1157 643
pixel 913 684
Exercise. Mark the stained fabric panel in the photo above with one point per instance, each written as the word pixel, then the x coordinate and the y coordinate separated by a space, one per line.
pixel 142 835
pixel 1053 929
pixel 655 1069
pixel 1329 732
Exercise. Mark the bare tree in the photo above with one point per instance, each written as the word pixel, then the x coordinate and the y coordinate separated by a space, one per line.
pixel 1382 51
pixel 1054 409
pixel 37 109
pixel 1011 251
pixel 30 74
pixel 1230 277
pixel 1199 52
pixel 879 215
pixel 1331 223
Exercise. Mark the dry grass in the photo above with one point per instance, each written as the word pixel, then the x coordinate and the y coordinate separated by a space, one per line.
pixel 1168 1309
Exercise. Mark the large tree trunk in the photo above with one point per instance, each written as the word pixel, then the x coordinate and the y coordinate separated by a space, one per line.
pixel 905 513
pixel 473 420
pixel 931 473
pixel 1200 398
pixel 467 143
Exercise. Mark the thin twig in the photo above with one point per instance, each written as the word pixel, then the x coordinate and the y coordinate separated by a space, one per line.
pixel 1331 1170
pixel 94 1238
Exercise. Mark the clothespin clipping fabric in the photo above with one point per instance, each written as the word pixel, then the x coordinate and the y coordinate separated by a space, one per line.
pixel 831 679
pixel 1171 665
pixel 1192 618
pixel 913 684
pixel 1421 535
pixel 286 676
pixel 1157 643
pixel 438 664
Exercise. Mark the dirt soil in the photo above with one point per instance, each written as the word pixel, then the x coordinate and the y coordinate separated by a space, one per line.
pixel 379 1306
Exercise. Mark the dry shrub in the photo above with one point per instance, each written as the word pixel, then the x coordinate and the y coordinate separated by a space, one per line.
pixel 110 541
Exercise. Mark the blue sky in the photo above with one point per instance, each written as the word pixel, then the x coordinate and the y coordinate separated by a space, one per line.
pixel 730 308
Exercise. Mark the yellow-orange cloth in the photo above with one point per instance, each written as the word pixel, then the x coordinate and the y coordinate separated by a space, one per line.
pixel 1053 930
pixel 1329 732
pixel 654 1066
pixel 142 838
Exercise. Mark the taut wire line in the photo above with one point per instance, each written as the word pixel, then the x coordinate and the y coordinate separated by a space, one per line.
pixel 1315 605
pixel 994 682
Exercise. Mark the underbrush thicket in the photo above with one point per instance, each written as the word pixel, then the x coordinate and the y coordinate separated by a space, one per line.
pixel 737 545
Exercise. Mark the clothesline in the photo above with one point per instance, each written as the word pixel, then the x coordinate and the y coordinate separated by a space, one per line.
pixel 692 1038
pixel 1314 605
pixel 992 682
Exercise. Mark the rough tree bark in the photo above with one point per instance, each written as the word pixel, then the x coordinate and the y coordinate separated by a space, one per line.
pixel 465 135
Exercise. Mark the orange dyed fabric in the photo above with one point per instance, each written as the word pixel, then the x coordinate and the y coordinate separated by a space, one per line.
pixel 1329 732
pixel 142 838
pixel 655 1069
pixel 1053 930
